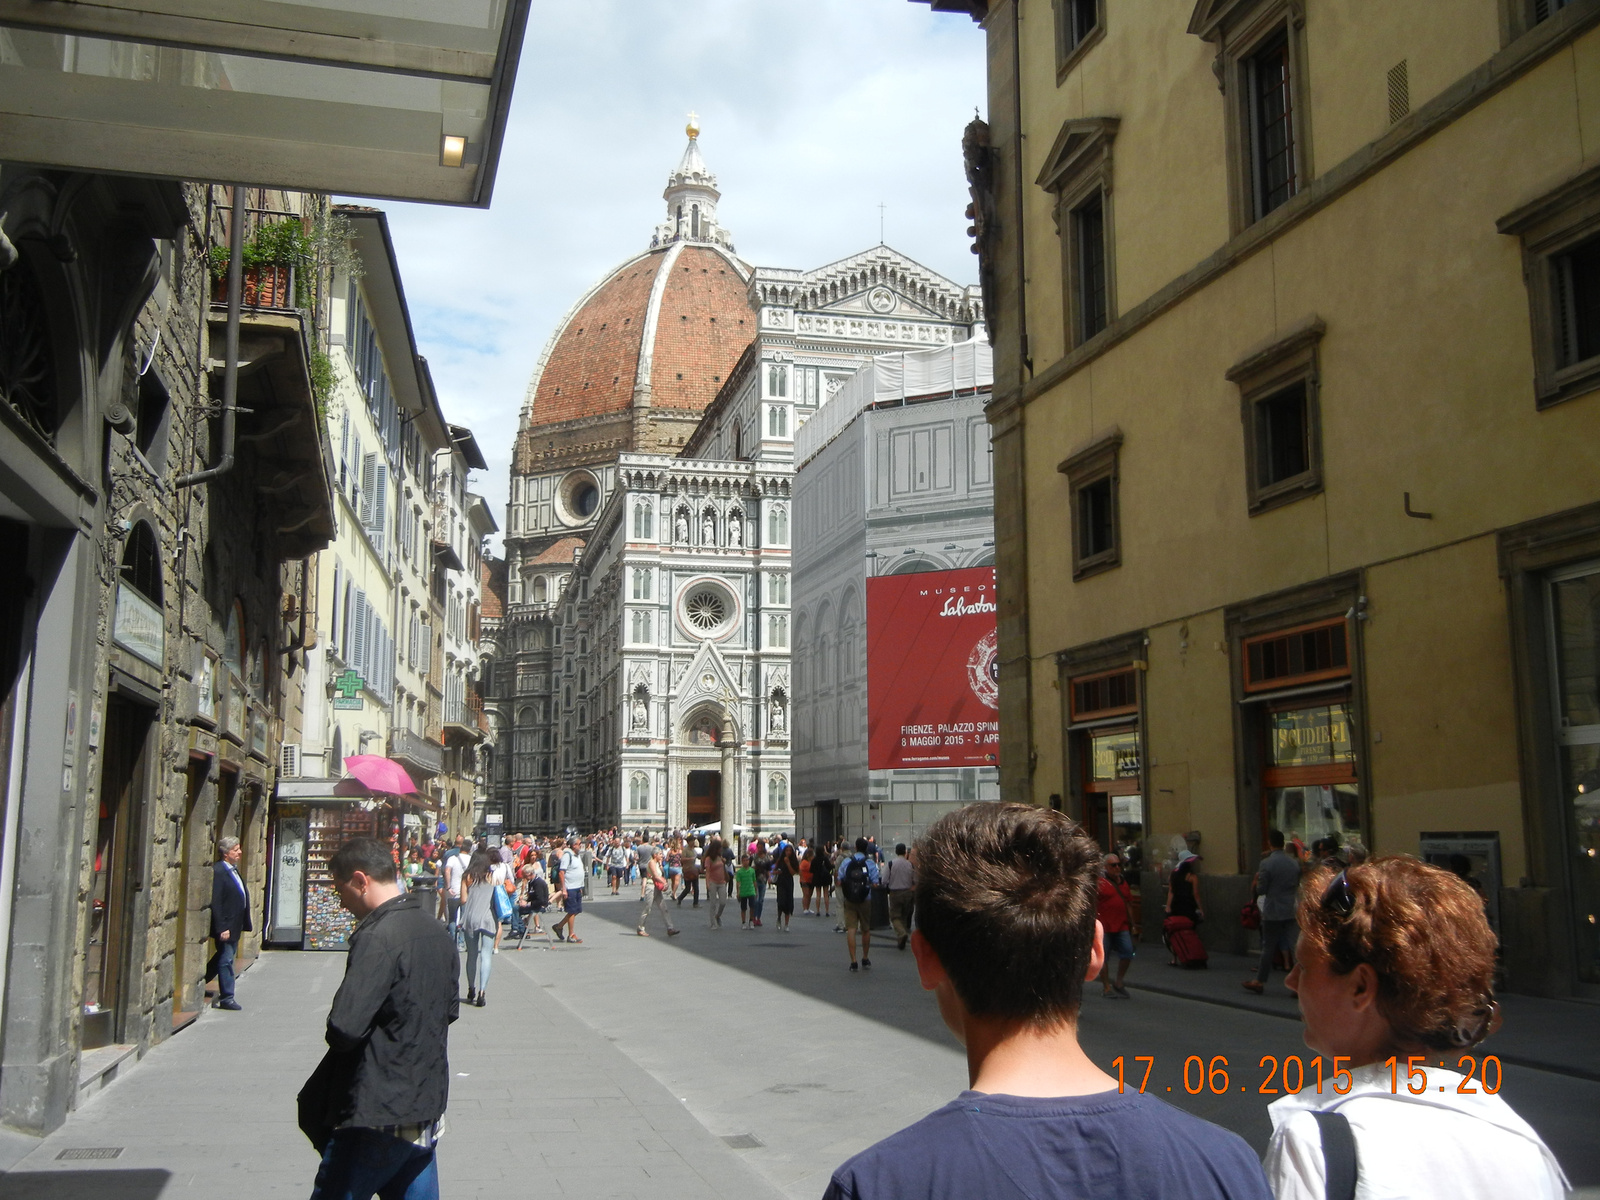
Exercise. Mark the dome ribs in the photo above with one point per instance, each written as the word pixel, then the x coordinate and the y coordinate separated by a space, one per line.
pixel 698 336
pixel 599 348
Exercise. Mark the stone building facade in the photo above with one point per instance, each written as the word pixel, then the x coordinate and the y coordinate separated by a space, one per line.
pixel 154 661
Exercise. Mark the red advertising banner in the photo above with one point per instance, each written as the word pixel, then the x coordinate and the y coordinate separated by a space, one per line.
pixel 933 693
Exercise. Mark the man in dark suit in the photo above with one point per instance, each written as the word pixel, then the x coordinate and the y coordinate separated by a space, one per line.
pixel 230 919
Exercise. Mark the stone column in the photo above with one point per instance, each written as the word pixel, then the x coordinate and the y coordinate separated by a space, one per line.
pixel 730 783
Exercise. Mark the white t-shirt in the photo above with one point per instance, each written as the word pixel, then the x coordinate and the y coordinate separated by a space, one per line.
pixel 572 872
pixel 1441 1143
pixel 454 867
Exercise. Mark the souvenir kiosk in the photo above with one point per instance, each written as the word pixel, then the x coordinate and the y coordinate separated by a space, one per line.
pixel 312 818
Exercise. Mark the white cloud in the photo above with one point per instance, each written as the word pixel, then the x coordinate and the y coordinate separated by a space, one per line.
pixel 812 115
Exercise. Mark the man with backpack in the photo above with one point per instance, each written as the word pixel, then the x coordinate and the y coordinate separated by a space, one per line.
pixel 858 875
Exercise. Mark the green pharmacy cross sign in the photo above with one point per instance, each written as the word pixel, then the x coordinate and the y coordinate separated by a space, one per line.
pixel 347 691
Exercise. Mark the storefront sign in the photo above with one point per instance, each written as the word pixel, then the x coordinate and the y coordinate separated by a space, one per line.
pixel 1310 737
pixel 137 626
pixel 1116 756
pixel 347 689
pixel 933 691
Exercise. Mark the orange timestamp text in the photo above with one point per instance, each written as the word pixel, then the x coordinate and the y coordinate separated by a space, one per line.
pixel 1290 1075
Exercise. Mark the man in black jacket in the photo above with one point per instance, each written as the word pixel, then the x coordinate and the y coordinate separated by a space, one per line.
pixel 372 1106
pixel 230 919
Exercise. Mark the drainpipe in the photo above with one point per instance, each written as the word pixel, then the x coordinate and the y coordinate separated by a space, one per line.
pixel 1022 249
pixel 230 375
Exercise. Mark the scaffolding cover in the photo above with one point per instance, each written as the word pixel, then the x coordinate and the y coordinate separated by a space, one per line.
pixel 900 378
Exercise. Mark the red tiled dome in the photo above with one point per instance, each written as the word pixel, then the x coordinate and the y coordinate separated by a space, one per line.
pixel 688 299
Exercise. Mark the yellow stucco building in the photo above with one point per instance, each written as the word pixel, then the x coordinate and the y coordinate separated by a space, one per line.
pixel 1297 426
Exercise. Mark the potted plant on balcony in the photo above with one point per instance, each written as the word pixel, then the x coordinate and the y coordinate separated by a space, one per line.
pixel 271 258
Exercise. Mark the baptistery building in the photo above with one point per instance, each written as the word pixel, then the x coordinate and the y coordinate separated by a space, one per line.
pixel 642 673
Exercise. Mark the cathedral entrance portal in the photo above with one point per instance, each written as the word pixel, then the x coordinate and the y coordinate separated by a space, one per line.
pixel 705 797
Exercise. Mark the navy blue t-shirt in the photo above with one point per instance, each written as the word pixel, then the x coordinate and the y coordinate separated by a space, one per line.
pixel 1116 1146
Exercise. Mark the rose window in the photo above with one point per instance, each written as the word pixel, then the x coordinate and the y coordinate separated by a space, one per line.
pixel 705 610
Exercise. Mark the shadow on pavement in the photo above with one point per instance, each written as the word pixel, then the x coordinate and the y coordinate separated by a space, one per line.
pixel 811 961
pixel 103 1184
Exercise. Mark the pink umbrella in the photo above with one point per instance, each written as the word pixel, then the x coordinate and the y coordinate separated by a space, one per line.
pixel 379 774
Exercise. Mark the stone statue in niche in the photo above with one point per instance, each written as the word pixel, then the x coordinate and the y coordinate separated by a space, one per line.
pixel 708 529
pixel 680 527
pixel 736 529
pixel 778 719
pixel 641 713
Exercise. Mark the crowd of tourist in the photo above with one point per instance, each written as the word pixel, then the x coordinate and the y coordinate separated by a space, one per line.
pixel 1394 965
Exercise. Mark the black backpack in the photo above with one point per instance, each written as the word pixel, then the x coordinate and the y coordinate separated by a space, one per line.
pixel 856 884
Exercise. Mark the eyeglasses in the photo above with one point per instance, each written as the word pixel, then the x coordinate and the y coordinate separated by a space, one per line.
pixel 1339 899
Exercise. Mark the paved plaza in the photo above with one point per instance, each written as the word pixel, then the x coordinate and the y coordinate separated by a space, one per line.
pixel 717 1064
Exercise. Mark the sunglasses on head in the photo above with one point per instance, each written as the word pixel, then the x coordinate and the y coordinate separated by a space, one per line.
pixel 1339 899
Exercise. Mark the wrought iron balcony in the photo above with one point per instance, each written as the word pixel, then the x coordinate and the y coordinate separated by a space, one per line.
pixel 415 752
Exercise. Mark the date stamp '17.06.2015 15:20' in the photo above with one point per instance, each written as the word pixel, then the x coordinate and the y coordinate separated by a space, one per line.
pixel 1291 1075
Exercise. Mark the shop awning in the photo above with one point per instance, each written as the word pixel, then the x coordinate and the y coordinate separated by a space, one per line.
pixel 384 98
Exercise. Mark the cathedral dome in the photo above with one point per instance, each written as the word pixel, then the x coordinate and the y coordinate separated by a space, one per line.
pixel 664 329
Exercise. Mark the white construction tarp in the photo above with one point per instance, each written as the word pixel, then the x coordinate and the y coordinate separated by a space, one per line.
pixel 897 378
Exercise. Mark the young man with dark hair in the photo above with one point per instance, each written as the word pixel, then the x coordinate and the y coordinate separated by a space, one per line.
pixel 1006 937
pixel 373 1105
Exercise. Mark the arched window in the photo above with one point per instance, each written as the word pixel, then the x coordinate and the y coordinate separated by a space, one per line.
pixel 777 794
pixel 541 590
pixel 644 520
pixel 777 526
pixel 778 421
pixel 694 220
pixel 141 563
pixel 639 792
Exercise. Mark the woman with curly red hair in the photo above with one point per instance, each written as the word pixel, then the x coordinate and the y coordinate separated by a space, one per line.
pixel 1395 975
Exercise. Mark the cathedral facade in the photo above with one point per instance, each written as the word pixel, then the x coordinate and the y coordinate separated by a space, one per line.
pixel 642 667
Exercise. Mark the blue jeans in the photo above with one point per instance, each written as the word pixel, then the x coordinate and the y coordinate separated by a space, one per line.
pixel 359 1164
pixel 480 957
pixel 220 968
pixel 1275 936
pixel 760 899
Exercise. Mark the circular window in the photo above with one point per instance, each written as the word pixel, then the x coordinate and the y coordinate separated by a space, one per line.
pixel 705 610
pixel 584 499
pixel 577 498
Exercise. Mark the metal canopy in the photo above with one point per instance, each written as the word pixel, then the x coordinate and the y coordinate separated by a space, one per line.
pixel 399 99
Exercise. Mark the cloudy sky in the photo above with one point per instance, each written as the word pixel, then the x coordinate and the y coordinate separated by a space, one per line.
pixel 812 114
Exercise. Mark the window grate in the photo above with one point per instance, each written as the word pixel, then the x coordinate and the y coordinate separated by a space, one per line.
pixel 1272 125
pixel 1575 277
pixel 1314 652
pixel 1096 526
pixel 1105 695
pixel 1399 90
pixel 1089 222
pixel 1283 448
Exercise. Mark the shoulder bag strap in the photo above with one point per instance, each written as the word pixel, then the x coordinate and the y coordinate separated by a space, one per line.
pixel 1338 1155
